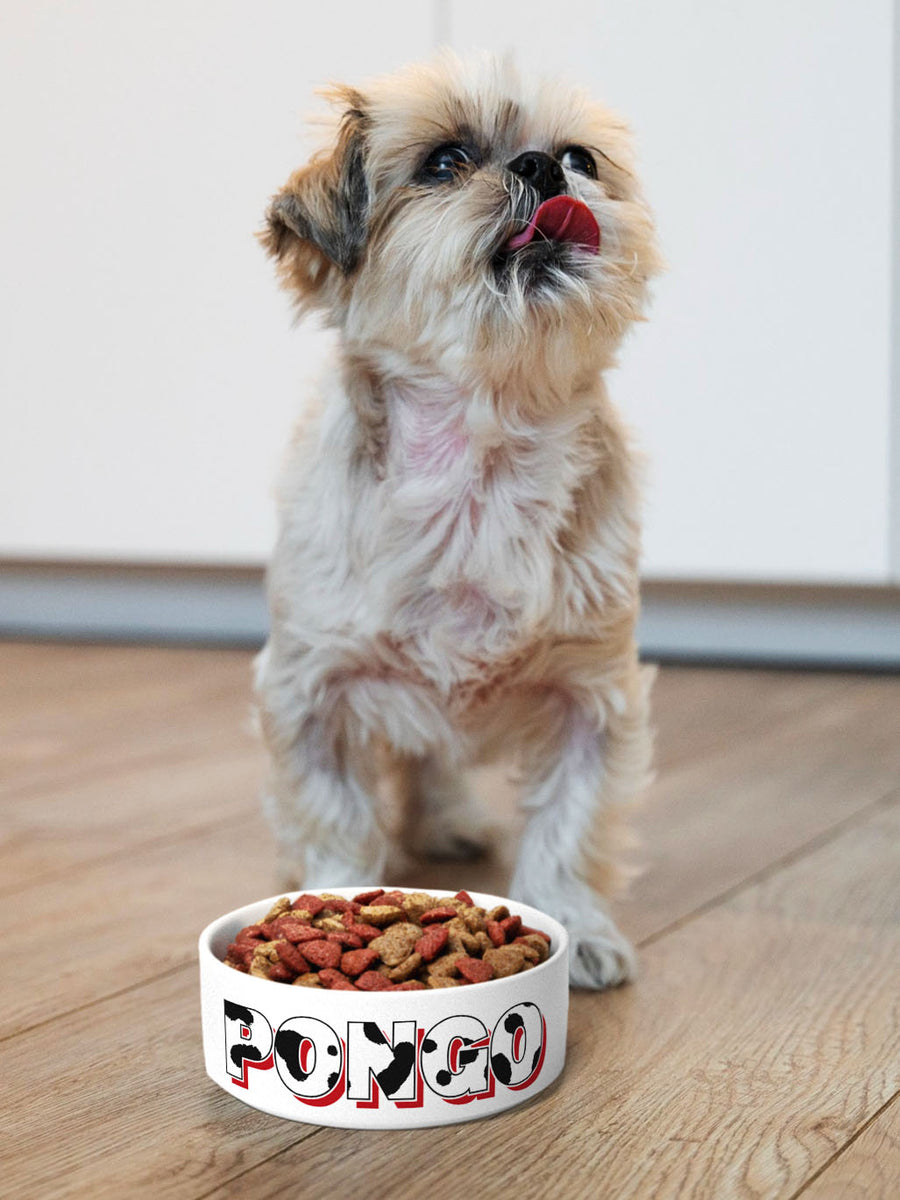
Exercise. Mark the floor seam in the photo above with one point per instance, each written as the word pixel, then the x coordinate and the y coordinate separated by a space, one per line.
pixel 886 800
pixel 846 1146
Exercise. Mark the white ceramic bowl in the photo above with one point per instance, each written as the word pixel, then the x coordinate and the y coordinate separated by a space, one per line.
pixel 383 1060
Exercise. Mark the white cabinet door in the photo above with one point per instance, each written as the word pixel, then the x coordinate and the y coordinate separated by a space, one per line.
pixel 761 385
pixel 148 371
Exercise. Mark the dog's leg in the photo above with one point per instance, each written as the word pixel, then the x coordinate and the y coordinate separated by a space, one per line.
pixel 320 805
pixel 445 820
pixel 581 769
pixel 320 797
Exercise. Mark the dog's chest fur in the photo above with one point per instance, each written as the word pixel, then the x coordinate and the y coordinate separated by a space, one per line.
pixel 467 538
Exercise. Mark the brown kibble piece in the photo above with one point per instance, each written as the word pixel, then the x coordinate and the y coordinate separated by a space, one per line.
pixel 280 906
pixel 380 914
pixel 330 924
pixel 311 979
pixel 505 960
pixel 537 943
pixel 445 965
pixel 442 981
pixel 474 919
pixel 498 913
pixel 417 903
pixel 484 943
pixel 264 956
pixel 404 970
pixel 396 943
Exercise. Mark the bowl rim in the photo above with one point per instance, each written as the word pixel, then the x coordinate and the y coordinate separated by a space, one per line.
pixel 215 929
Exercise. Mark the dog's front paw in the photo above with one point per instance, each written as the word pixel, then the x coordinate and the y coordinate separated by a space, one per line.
pixel 600 958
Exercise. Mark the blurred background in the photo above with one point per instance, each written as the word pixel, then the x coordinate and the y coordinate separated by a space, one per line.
pixel 150 374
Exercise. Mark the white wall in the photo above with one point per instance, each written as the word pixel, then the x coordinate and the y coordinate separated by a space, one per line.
pixel 148 375
pixel 761 386
pixel 148 372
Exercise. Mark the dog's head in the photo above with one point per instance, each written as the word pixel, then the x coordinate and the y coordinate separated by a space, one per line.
pixel 461 211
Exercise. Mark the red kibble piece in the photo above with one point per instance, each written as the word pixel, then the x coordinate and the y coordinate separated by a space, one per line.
pixel 322 953
pixel 476 970
pixel 312 904
pixel 431 943
pixel 281 973
pixel 242 952
pixel 373 981
pixel 511 926
pixel 250 931
pixel 368 897
pixel 292 958
pixel 350 941
pixel 465 897
pixel 296 931
pixel 539 932
pixel 411 985
pixel 366 932
pixel 354 962
pixel 437 914
pixel 341 906
pixel 335 981
pixel 394 898
pixel 496 933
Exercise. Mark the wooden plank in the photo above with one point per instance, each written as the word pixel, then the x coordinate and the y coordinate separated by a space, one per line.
pixel 119 1105
pixel 93 715
pixel 701 712
pixel 123 921
pixel 715 820
pixel 869 1169
pixel 760 1037
pixel 115 813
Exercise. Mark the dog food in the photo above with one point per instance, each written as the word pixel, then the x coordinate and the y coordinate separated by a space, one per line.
pixel 386 942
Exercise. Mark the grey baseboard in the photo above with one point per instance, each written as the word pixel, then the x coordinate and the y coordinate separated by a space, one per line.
pixel 691 622
pixel 114 602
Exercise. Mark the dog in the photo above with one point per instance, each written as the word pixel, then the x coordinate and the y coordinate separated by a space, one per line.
pixel 456 573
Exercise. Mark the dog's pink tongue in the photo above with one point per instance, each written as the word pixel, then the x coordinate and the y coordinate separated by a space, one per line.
pixel 561 219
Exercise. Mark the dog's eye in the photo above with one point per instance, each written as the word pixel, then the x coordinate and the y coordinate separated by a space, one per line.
pixel 446 163
pixel 576 158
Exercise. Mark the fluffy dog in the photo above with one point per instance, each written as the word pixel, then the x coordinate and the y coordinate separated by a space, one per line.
pixel 456 573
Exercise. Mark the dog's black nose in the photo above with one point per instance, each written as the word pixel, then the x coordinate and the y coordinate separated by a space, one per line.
pixel 540 170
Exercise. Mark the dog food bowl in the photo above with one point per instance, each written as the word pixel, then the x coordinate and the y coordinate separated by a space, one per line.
pixel 383 1060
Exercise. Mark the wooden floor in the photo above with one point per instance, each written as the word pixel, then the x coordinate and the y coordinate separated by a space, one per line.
pixel 758 1054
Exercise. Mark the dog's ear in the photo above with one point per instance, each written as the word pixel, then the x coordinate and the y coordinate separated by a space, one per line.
pixel 316 225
